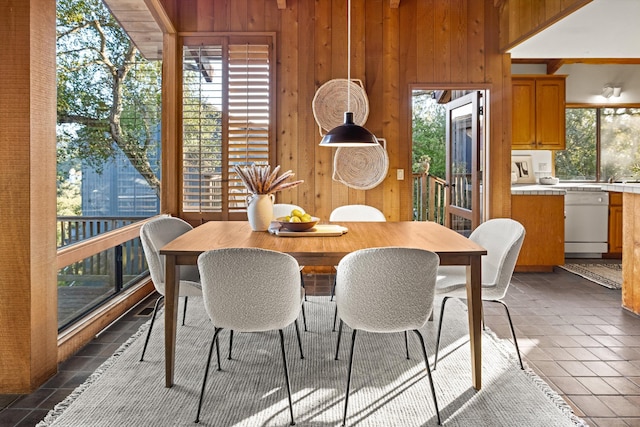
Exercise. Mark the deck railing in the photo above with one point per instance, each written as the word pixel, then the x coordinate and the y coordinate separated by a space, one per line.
pixel 98 257
pixel 429 198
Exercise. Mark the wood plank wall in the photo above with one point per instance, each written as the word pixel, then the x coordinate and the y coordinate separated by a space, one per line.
pixel 28 294
pixel 432 42
pixel 521 19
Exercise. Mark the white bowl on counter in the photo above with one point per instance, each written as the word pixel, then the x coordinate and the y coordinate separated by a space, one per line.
pixel 549 180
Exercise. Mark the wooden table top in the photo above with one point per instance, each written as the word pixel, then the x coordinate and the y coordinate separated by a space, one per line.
pixel 326 250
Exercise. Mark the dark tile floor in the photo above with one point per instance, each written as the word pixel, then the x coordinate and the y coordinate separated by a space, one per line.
pixel 572 332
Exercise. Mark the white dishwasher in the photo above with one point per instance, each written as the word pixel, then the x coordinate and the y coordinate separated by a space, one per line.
pixel 586 224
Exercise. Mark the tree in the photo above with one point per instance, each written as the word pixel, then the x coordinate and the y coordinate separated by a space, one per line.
pixel 429 133
pixel 104 90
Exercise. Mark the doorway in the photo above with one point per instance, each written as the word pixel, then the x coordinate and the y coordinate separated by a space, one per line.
pixel 448 153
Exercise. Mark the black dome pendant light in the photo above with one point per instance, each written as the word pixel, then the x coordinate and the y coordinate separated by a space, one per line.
pixel 349 134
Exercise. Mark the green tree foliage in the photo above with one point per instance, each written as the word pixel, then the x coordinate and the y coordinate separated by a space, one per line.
pixel 104 90
pixel 578 160
pixel 429 133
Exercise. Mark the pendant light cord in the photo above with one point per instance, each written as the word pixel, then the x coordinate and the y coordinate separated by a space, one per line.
pixel 349 55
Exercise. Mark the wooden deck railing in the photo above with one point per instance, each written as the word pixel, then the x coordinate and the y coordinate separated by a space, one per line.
pixel 429 198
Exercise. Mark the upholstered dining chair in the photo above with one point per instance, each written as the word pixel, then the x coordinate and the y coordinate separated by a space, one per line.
pixel 154 235
pixel 353 213
pixel 502 238
pixel 284 209
pixel 386 290
pixel 251 290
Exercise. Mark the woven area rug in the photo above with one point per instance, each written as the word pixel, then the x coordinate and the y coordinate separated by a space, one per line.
pixel 387 389
pixel 604 274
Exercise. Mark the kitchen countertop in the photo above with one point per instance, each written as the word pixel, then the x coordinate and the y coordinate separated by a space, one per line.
pixel 556 189
pixel 620 187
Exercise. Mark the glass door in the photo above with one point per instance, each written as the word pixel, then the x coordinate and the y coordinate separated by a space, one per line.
pixel 464 135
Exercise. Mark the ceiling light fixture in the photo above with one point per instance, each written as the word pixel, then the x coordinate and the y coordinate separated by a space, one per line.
pixel 609 90
pixel 349 134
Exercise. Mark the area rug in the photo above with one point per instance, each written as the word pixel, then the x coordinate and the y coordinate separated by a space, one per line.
pixel 387 389
pixel 604 274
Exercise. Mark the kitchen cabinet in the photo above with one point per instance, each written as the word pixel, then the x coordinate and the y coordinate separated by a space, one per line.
pixel 538 112
pixel 543 219
pixel 615 225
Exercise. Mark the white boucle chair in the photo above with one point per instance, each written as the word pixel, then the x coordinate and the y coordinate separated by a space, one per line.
pixel 251 290
pixel 284 209
pixel 502 238
pixel 353 213
pixel 154 235
pixel 386 290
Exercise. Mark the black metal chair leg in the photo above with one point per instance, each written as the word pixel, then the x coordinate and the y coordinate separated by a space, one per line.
pixel 286 375
pixel 426 362
pixel 335 317
pixel 338 342
pixel 230 343
pixel 304 317
pixel 153 319
pixel 435 359
pixel 333 287
pixel 346 398
pixel 406 344
pixel 513 331
pixel 218 352
pixel 299 341
pixel 206 371
pixel 302 283
pixel 184 311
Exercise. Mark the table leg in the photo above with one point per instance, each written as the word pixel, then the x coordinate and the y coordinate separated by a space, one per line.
pixel 170 316
pixel 474 299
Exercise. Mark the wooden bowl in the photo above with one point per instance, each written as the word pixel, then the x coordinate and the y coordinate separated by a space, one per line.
pixel 298 226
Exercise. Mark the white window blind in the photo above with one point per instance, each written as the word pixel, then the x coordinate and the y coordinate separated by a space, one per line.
pixel 226 121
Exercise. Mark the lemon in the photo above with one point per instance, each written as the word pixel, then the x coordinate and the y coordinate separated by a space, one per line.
pixel 287 218
pixel 297 212
pixel 306 218
pixel 295 219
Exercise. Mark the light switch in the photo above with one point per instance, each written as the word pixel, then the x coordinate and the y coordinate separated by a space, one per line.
pixel 400 174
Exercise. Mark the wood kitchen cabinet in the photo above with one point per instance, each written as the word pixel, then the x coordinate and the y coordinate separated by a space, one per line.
pixel 543 219
pixel 615 225
pixel 538 112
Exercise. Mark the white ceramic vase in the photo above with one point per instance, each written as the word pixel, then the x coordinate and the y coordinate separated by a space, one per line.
pixel 260 211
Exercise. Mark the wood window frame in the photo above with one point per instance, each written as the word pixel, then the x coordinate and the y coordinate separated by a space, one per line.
pixel 223 39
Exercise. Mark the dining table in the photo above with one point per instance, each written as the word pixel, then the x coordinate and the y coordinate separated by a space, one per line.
pixel 327 250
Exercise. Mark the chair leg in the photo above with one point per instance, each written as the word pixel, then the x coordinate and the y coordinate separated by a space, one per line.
pixel 338 342
pixel 333 287
pixel 335 317
pixel 513 331
pixel 426 362
pixel 406 344
pixel 435 359
pixel 206 371
pixel 302 283
pixel 299 341
pixel 346 398
pixel 153 319
pixel 184 311
pixel 230 343
pixel 286 375
pixel 304 316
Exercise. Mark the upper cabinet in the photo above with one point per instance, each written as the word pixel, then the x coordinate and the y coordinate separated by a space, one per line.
pixel 538 112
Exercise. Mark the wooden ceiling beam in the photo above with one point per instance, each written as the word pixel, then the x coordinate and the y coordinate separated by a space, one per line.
pixel 553 65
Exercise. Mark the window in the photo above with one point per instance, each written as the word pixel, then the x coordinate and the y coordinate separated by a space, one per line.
pixel 227 119
pixel 602 145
